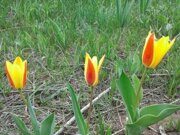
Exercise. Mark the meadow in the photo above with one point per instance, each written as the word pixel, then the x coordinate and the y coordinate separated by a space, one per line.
pixel 54 36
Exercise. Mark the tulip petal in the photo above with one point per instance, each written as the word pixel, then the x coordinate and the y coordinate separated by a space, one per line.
pixel 18 61
pixel 100 62
pixel 20 68
pixel 95 63
pixel 98 69
pixel 25 73
pixel 86 63
pixel 9 72
pixel 161 47
pixel 17 76
pixel 147 55
pixel 90 74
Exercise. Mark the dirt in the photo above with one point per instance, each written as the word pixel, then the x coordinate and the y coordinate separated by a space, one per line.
pixel 111 109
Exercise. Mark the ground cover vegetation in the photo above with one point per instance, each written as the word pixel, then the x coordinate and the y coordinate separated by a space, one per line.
pixel 54 36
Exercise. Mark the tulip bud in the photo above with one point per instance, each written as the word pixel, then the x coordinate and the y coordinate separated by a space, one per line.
pixel 17 73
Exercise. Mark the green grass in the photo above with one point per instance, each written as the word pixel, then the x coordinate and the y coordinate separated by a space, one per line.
pixel 54 36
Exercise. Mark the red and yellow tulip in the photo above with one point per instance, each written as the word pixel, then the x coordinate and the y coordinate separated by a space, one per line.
pixel 92 68
pixel 16 73
pixel 154 50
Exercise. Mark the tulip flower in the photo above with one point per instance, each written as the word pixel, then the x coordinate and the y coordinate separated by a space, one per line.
pixel 17 73
pixel 154 50
pixel 92 68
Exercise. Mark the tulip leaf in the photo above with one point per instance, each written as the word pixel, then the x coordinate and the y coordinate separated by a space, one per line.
pixel 132 129
pixel 82 126
pixel 136 83
pixel 128 95
pixel 152 114
pixel 34 121
pixel 48 125
pixel 21 125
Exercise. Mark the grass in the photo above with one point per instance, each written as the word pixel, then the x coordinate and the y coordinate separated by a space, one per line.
pixel 54 36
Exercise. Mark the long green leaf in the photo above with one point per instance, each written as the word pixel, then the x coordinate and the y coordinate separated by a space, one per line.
pixel 21 125
pixel 33 118
pixel 136 83
pixel 154 113
pixel 48 125
pixel 77 112
pixel 128 95
pixel 156 109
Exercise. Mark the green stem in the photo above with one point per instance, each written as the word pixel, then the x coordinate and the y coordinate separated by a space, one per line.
pixel 140 86
pixel 90 107
pixel 23 97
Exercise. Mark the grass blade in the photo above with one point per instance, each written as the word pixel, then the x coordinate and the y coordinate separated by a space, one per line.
pixel 47 126
pixel 21 125
pixel 154 113
pixel 33 118
pixel 77 112
pixel 128 95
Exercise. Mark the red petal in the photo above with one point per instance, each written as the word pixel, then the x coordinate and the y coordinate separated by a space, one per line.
pixel 90 74
pixel 148 51
pixel 25 74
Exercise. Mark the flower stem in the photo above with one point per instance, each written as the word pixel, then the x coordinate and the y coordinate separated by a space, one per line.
pixel 23 97
pixel 140 86
pixel 90 107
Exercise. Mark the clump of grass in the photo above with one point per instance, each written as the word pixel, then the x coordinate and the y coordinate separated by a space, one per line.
pixel 143 5
pixel 123 11
pixel 173 84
